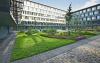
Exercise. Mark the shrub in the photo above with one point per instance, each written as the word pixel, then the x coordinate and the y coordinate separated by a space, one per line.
pixel 50 31
pixel 75 34
pixel 61 34
pixel 88 33
pixel 32 31
pixel 21 31
pixel 43 34
pixel 45 31
pixel 98 29
pixel 28 33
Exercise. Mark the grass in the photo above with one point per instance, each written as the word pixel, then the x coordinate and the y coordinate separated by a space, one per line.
pixel 27 46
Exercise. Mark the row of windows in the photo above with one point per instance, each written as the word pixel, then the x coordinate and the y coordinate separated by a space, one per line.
pixel 41 23
pixel 90 18
pixel 41 10
pixel 89 9
pixel 86 23
pixel 41 19
pixel 40 14
pixel 88 14
pixel 36 5
pixel 42 27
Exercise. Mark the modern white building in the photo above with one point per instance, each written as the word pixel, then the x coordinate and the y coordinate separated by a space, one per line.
pixel 40 16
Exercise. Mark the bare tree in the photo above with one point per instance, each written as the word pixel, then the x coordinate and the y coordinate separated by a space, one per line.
pixel 68 17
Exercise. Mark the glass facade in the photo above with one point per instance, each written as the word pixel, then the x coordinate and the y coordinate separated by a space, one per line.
pixel 88 16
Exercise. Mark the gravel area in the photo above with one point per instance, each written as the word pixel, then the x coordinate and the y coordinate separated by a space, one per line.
pixel 88 53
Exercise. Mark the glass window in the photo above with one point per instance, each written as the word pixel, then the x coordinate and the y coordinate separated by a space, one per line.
pixel 88 18
pixel 89 9
pixel 96 12
pixel 32 4
pixel 82 15
pixel 93 18
pixel 80 12
pixel 91 13
pixel 77 13
pixel 86 14
pixel 84 18
pixel 84 10
pixel 98 7
pixel 26 17
pixel 98 17
pixel 81 19
pixel 94 8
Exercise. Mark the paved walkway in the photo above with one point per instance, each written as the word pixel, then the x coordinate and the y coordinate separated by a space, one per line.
pixel 6 48
pixel 84 51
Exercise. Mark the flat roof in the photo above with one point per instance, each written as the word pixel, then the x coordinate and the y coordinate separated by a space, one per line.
pixel 86 8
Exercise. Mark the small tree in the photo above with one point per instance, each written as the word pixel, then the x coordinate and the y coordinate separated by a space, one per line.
pixel 68 17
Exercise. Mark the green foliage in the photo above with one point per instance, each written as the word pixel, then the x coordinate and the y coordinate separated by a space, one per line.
pixel 43 34
pixel 28 45
pixel 61 34
pixel 21 31
pixel 88 33
pixel 98 29
pixel 32 31
pixel 29 33
pixel 50 31
pixel 25 46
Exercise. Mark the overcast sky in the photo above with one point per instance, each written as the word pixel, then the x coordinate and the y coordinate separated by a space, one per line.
pixel 63 4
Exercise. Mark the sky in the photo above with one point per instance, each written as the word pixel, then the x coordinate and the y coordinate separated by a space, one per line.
pixel 63 4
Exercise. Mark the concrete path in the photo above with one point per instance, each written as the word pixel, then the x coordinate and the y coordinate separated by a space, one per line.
pixel 6 48
pixel 83 51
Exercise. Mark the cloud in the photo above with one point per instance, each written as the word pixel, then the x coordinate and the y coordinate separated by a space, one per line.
pixel 89 3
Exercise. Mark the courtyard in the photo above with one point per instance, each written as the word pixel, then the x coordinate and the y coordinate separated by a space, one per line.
pixel 40 31
pixel 32 42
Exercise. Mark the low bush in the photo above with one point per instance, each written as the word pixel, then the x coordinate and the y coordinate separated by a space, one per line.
pixel 32 31
pixel 61 34
pixel 50 31
pixel 28 33
pixel 43 34
pixel 21 31
pixel 88 33
pixel 98 29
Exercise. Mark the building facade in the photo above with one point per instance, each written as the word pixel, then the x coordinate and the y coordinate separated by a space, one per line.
pixel 40 16
pixel 9 14
pixel 87 18
pixel 16 8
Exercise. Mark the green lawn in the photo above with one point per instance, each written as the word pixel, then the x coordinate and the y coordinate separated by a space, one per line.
pixel 27 46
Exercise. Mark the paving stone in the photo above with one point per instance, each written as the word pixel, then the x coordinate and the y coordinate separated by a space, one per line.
pixel 88 53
